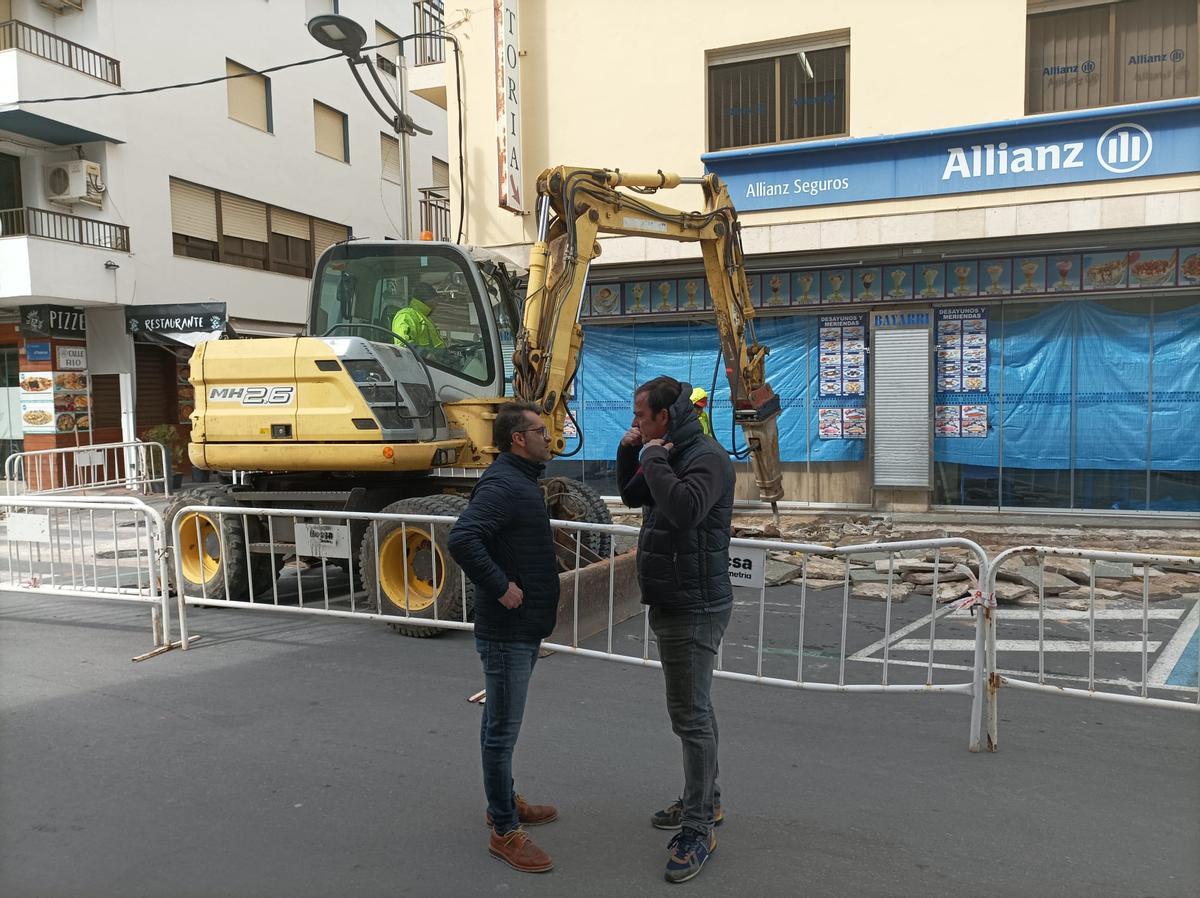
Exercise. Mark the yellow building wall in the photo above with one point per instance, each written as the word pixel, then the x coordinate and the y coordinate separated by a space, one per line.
pixel 622 84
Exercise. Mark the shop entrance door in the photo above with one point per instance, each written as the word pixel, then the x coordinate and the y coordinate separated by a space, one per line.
pixel 900 399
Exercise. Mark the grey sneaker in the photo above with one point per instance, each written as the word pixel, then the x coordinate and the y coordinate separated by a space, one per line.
pixel 689 850
pixel 672 817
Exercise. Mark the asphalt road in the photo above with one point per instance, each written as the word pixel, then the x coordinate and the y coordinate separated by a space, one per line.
pixel 297 757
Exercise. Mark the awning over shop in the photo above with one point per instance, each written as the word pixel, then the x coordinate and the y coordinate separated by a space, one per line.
pixel 176 325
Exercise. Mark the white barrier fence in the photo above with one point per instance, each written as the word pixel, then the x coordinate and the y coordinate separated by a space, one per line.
pixel 1009 664
pixel 88 548
pixel 137 466
pixel 421 591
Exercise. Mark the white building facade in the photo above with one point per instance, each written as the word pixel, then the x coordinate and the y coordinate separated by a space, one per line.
pixel 214 200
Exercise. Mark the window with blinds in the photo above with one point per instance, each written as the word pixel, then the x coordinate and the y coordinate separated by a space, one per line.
pixel 249 96
pixel 796 95
pixel 329 127
pixel 1109 53
pixel 224 227
pixel 441 174
pixel 385 57
pixel 389 158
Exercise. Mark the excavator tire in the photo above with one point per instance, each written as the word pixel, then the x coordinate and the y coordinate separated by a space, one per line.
pixel 212 548
pixel 571 500
pixel 406 557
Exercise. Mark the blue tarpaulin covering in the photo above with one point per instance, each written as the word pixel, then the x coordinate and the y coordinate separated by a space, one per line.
pixel 1090 362
pixel 616 359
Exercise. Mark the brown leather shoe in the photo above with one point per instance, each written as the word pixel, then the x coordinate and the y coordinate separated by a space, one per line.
pixel 530 814
pixel 516 850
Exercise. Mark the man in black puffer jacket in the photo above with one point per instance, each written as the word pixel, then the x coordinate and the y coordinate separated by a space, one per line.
pixel 504 544
pixel 684 482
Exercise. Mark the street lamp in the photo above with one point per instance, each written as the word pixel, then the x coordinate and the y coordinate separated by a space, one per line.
pixel 348 38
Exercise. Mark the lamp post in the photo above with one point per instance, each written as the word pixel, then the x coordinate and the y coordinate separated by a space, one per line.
pixel 348 38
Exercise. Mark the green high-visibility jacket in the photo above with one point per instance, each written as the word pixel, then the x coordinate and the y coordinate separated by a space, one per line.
pixel 413 325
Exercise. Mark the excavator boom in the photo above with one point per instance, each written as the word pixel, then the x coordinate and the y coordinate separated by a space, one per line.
pixel 574 205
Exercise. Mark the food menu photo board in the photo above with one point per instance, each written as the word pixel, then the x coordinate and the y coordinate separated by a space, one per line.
pixel 37 401
pixel 962 362
pixel 961 420
pixel 55 402
pixel 842 374
pixel 72 402
pixel 843 355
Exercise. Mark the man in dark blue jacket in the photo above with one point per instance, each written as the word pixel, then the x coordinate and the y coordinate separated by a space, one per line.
pixel 683 481
pixel 504 544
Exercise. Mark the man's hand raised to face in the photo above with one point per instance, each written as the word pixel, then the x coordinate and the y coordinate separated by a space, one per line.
pixel 633 436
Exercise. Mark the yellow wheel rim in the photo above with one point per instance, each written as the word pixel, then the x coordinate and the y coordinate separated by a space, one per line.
pixel 199 547
pixel 406 559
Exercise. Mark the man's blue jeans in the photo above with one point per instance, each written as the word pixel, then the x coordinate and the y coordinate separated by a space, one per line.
pixel 687 647
pixel 507 667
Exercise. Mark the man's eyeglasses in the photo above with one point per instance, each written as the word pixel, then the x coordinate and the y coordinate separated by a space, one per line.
pixel 542 430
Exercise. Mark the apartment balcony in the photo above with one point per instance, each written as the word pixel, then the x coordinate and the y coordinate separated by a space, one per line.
pixel 35 64
pixel 57 257
pixel 427 72
pixel 435 212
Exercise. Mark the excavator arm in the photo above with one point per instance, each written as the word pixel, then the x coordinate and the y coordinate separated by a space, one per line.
pixel 574 205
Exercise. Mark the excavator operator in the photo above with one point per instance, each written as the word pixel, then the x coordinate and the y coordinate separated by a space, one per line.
pixel 413 325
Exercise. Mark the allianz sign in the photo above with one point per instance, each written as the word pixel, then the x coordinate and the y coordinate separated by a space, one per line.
pixel 1121 149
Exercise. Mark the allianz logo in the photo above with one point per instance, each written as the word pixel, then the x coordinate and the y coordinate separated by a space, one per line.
pixel 1121 149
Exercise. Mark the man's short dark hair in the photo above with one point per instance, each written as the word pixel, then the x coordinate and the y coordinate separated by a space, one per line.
pixel 510 418
pixel 661 392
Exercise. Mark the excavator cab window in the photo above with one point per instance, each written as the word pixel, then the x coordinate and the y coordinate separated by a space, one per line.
pixel 421 297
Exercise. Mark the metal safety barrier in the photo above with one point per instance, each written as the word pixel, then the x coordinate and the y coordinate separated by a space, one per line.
pixel 1154 684
pixel 305 561
pixel 88 548
pixel 135 465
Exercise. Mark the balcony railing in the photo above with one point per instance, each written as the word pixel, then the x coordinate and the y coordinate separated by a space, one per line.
pixel 435 211
pixel 19 36
pixel 31 222
pixel 428 16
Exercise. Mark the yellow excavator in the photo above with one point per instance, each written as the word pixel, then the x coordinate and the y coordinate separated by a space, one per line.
pixel 388 403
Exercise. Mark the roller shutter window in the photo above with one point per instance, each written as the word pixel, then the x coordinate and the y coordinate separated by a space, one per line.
pixel 326 234
pixel 194 220
pixel 441 174
pixel 193 210
pixel 290 244
pixel 243 232
pixel 900 409
pixel 249 97
pixel 1156 50
pixel 329 127
pixel 1067 60
pixel 389 155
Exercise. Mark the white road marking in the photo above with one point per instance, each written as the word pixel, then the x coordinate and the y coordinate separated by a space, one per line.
pixel 1024 645
pixel 1165 663
pixel 1101 614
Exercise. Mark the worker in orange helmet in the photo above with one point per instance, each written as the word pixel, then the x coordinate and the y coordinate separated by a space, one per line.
pixel 700 401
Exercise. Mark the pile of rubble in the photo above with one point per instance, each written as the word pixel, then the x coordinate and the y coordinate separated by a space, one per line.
pixel 911 573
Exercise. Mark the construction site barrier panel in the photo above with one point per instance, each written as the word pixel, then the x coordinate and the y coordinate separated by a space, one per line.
pixel 88 548
pixel 137 466
pixel 1022 664
pixel 305 561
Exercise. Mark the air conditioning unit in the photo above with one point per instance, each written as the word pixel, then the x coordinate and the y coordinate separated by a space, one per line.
pixel 58 7
pixel 74 182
